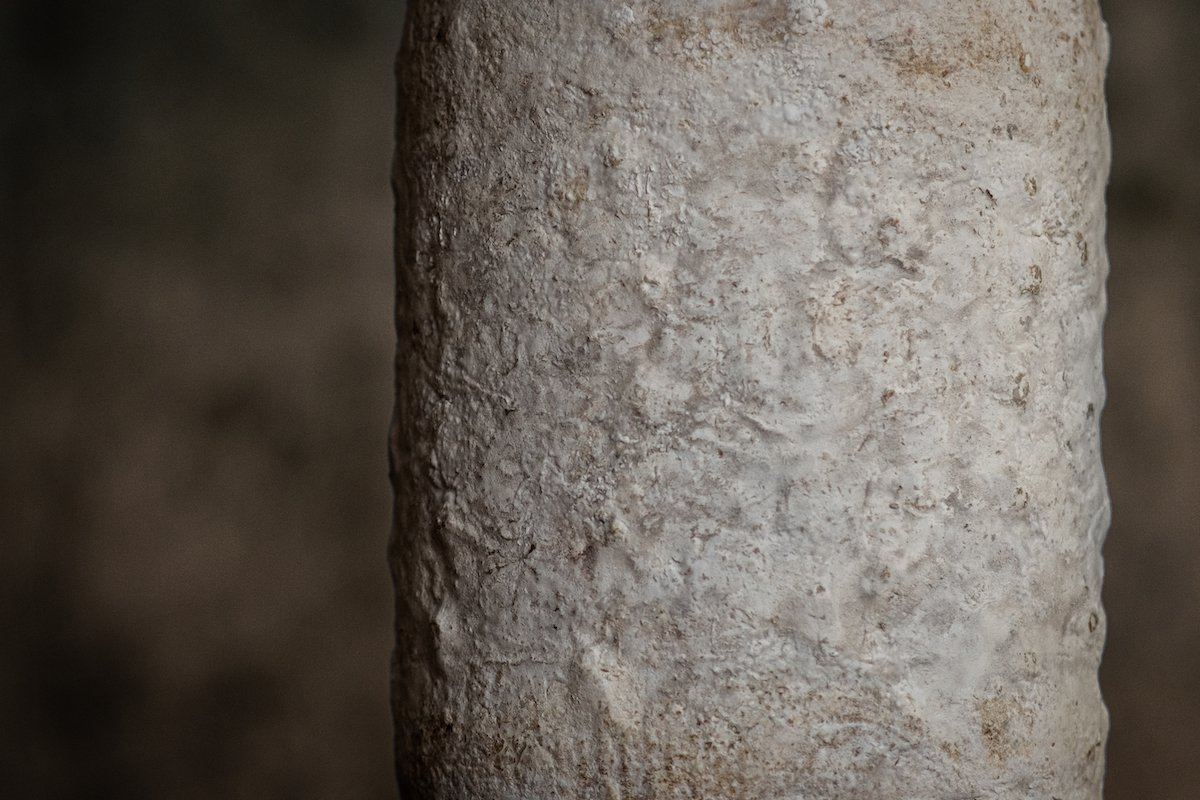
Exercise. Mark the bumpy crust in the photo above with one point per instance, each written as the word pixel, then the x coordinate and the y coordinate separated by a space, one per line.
pixel 748 397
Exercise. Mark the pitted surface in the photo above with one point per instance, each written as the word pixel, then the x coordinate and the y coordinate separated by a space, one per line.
pixel 748 397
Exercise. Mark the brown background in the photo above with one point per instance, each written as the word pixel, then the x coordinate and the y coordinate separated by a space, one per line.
pixel 195 349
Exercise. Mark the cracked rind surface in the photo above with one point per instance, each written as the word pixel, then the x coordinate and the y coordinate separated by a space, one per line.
pixel 746 441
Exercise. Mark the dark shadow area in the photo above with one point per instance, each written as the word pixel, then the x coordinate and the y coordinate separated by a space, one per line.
pixel 195 308
pixel 195 344
pixel 1151 426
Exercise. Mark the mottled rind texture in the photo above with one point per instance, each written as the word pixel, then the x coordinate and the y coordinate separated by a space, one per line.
pixel 748 397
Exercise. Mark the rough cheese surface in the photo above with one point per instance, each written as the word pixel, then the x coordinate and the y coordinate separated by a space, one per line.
pixel 748 383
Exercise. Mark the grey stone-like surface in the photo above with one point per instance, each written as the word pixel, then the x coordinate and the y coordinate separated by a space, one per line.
pixel 748 391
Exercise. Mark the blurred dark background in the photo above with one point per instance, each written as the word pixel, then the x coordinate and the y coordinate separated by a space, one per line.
pixel 195 370
pixel 195 356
